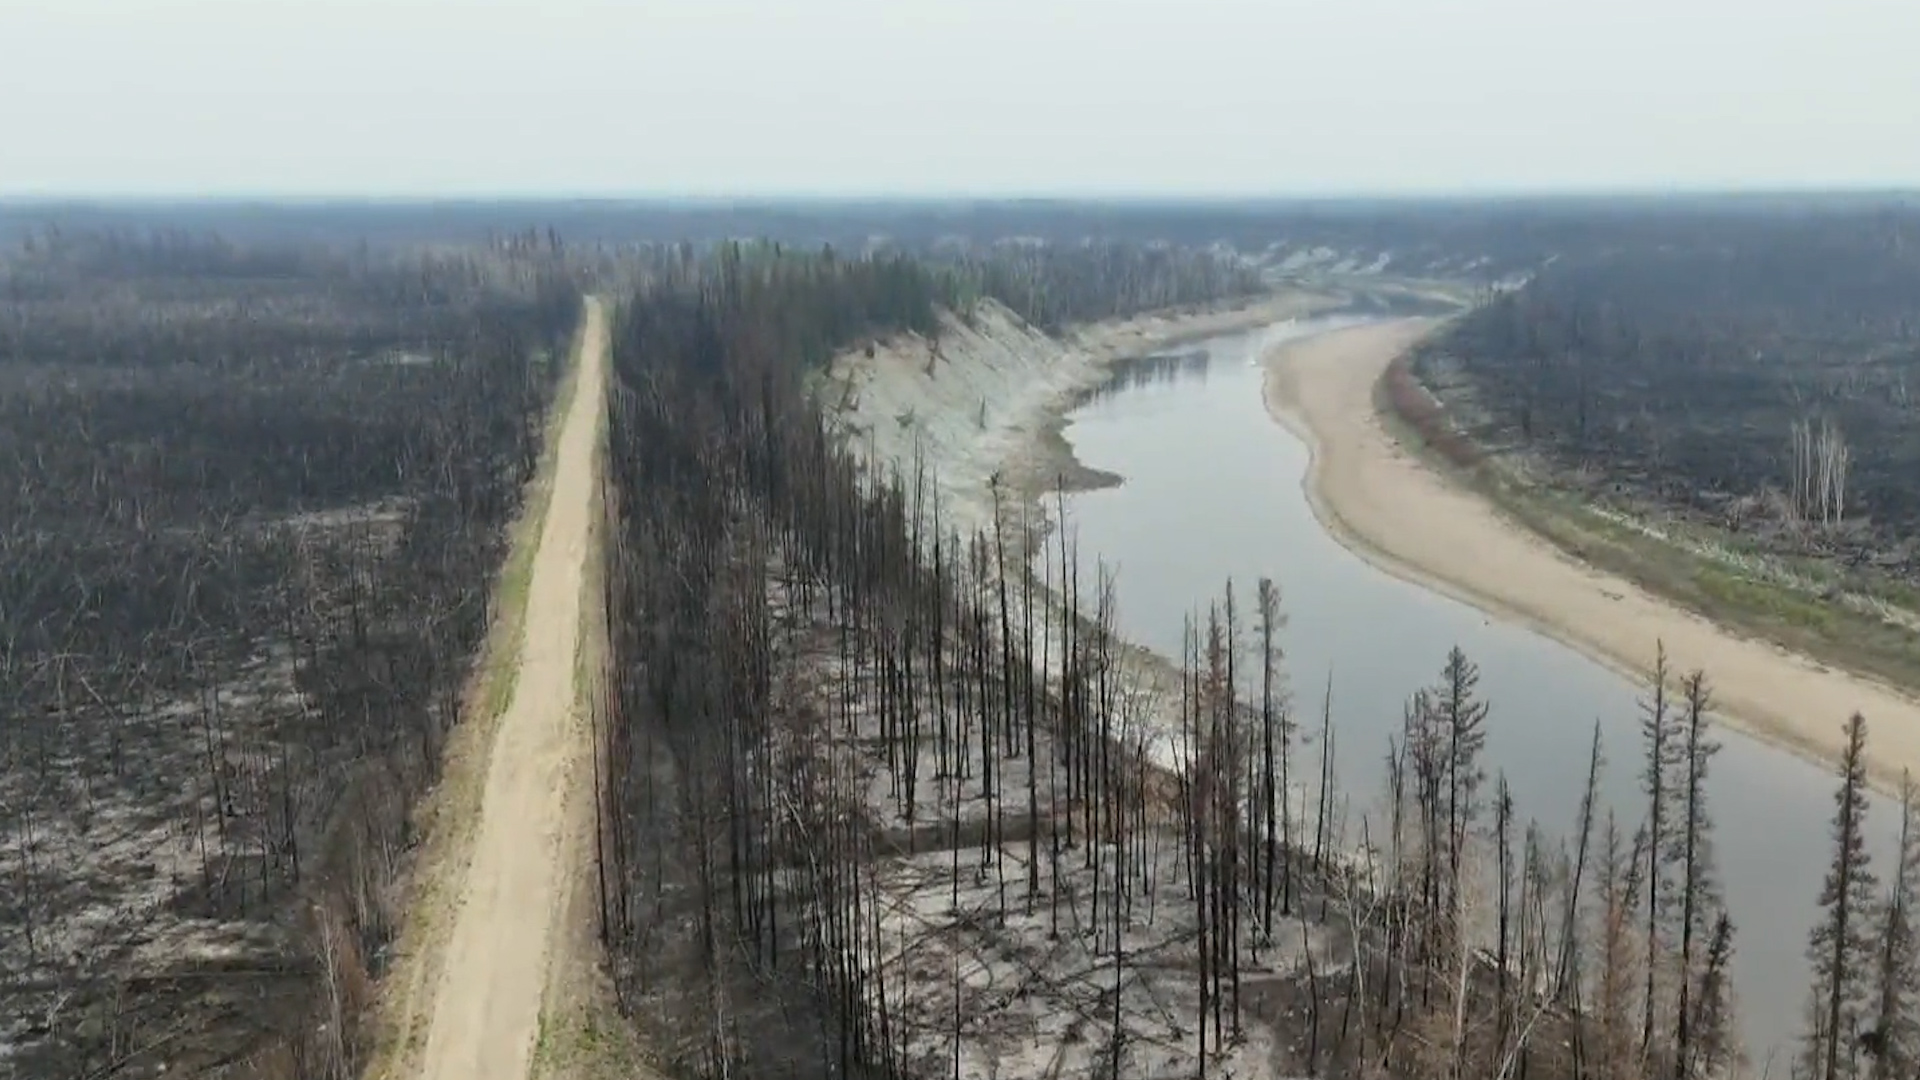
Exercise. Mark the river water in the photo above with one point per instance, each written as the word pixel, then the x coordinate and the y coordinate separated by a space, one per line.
pixel 1213 491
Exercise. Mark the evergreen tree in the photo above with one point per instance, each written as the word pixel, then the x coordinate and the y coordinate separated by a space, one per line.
pixel 1462 723
pixel 1895 1038
pixel 1712 1019
pixel 1275 739
pixel 1692 859
pixel 1663 734
pixel 1841 949
pixel 1424 745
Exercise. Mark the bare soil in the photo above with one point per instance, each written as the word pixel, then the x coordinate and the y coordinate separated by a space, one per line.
pixel 999 956
pixel 1401 514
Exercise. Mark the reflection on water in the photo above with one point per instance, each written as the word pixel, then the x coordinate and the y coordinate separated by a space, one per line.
pixel 1212 491
pixel 1143 372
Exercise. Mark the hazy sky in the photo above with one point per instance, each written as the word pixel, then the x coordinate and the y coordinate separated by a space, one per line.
pixel 477 97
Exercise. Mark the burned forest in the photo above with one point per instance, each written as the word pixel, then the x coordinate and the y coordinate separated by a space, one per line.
pixel 253 498
pixel 1758 374
pixel 865 775
pixel 1724 417
pixel 882 796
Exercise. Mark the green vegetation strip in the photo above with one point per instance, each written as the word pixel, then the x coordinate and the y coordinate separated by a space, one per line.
pixel 1773 610
pixel 509 603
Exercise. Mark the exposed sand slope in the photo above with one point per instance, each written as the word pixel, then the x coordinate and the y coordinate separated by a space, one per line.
pixel 485 1013
pixel 991 399
pixel 1404 517
pixel 990 395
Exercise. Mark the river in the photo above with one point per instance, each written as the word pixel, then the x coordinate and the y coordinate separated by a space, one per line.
pixel 1212 491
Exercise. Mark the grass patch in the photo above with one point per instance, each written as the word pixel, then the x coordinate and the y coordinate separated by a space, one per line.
pixel 500 667
pixel 590 1041
pixel 1776 605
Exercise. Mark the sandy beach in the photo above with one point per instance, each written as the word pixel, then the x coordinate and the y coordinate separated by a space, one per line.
pixel 1406 518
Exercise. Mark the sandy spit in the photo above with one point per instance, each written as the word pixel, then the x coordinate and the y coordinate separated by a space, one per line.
pixel 1407 519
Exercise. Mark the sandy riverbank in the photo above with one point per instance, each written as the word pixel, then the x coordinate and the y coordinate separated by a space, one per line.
pixel 1404 517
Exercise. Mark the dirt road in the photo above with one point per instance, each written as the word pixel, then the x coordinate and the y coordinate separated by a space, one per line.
pixel 485 1007
pixel 1404 517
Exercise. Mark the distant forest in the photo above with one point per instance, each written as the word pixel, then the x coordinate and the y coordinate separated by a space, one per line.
pixel 1511 235
pixel 1766 374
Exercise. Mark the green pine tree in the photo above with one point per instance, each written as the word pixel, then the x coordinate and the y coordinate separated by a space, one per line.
pixel 1841 949
pixel 1895 1039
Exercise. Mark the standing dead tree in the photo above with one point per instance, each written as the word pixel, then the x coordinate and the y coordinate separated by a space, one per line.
pixel 1819 464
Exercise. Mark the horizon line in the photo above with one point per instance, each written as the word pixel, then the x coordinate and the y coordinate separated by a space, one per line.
pixel 1088 197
